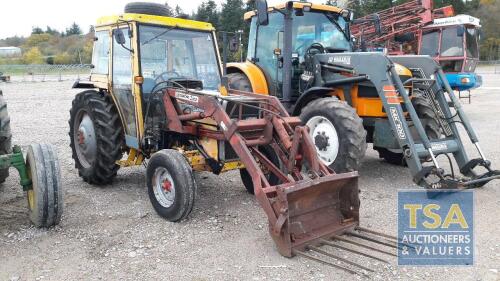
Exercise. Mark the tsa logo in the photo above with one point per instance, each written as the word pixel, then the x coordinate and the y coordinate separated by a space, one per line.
pixel 436 227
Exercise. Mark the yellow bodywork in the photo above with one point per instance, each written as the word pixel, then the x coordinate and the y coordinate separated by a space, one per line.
pixel 298 5
pixel 157 20
pixel 110 23
pixel 253 73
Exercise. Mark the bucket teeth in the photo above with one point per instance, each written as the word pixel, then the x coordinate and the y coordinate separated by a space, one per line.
pixel 323 252
pixel 363 229
pixel 392 244
pixel 352 251
pixel 320 260
pixel 353 242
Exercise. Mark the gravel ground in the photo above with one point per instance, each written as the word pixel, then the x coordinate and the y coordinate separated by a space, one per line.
pixel 112 232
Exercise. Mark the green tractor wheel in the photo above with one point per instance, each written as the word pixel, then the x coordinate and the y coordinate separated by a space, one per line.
pixel 45 202
pixel 5 136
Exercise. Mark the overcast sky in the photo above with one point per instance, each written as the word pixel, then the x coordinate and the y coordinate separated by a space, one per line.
pixel 17 17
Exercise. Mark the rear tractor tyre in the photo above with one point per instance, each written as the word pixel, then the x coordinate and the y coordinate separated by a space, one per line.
pixel 171 185
pixel 337 131
pixel 147 8
pixel 5 135
pixel 239 81
pixel 431 125
pixel 96 137
pixel 271 178
pixel 45 198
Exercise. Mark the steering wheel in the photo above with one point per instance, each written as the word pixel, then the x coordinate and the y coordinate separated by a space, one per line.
pixel 316 46
pixel 164 76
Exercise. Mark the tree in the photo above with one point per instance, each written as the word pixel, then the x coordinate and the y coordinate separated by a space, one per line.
pixel 207 12
pixel 33 56
pixel 170 12
pixel 36 30
pixel 179 13
pixel 488 12
pixel 74 29
pixel 232 15
pixel 51 31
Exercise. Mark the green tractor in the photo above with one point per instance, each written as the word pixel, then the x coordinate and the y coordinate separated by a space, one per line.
pixel 39 173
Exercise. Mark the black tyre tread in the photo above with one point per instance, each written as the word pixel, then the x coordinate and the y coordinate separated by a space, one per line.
pixel 424 111
pixel 432 128
pixel 147 8
pixel 109 134
pixel 46 177
pixel 5 136
pixel 239 81
pixel 349 127
pixel 183 178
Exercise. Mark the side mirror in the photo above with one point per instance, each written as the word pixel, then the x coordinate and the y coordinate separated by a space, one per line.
pixel 119 36
pixel 460 30
pixel 262 15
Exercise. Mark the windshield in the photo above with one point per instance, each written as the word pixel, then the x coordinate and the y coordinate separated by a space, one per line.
pixel 451 43
pixel 327 29
pixel 173 53
pixel 472 36
pixel 430 43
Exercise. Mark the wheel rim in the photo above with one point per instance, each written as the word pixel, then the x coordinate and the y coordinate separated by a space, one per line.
pixel 325 138
pixel 31 192
pixel 163 187
pixel 85 139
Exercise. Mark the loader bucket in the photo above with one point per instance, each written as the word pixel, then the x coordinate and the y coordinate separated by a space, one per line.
pixel 308 205
pixel 315 209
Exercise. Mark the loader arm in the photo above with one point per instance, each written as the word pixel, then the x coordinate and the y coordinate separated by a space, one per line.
pixel 311 205
pixel 416 145
pixel 303 207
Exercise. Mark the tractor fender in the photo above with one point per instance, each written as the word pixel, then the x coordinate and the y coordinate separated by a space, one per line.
pixel 83 85
pixel 309 95
pixel 254 74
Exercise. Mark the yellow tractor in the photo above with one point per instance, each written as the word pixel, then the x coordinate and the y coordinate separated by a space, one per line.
pixel 301 52
pixel 157 93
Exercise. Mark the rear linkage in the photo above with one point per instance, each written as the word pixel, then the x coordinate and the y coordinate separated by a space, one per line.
pixel 311 205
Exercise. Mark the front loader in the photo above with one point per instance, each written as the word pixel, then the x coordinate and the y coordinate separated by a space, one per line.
pixel 301 52
pixel 157 93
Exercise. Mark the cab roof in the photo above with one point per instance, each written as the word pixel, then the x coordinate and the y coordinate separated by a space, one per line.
pixel 317 7
pixel 156 20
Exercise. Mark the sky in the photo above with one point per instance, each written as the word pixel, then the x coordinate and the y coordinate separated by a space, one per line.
pixel 17 17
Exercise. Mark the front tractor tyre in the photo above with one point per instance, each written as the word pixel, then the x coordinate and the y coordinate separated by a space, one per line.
pixel 5 135
pixel 337 132
pixel 171 185
pixel 432 128
pixel 96 137
pixel 45 198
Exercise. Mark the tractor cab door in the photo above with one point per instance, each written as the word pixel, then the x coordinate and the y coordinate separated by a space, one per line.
pixel 123 87
pixel 264 43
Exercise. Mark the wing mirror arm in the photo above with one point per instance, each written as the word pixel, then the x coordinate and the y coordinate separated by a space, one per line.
pixel 120 38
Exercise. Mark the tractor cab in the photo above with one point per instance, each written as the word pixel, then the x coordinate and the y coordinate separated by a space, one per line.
pixel 454 43
pixel 314 29
pixel 138 54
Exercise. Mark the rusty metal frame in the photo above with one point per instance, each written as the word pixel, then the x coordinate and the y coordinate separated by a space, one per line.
pixel 300 208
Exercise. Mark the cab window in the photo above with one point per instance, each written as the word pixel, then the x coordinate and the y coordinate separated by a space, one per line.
pixel 451 43
pixel 100 57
